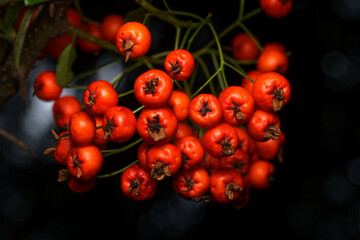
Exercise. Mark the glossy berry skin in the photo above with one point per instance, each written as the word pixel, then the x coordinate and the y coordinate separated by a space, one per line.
pixel 81 186
pixel 179 103
pixel 99 96
pixel 157 125
pixel 211 163
pixel 141 153
pixel 137 184
pixel 110 26
pixel 268 150
pixel 99 140
pixel 244 139
pixel 192 183
pixel 192 151
pixel 276 8
pixel 226 185
pixel 260 174
pixel 271 91
pixel 221 140
pixel 205 110
pixel 63 145
pixel 57 45
pixel 63 108
pixel 273 61
pixel 119 124
pixel 85 45
pixel 82 128
pixel 237 104
pixel 163 161
pixel 133 40
pixel 244 47
pixel 179 64
pixel 153 88
pixel 240 161
pixel 45 86
pixel 84 162
pixel 246 83
pixel 264 125
pixel 184 130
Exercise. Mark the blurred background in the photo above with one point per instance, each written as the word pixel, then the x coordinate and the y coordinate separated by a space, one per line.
pixel 315 194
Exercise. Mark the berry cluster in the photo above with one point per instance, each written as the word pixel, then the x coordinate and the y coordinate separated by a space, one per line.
pixel 214 146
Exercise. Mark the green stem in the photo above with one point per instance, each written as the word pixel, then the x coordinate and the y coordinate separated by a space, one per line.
pixel 138 109
pixel 238 71
pixel 205 21
pixel 119 150
pixel 206 83
pixel 207 74
pixel 222 82
pixel 125 93
pixel 178 85
pixel 177 37
pixel 251 35
pixel 118 171
pixel 186 35
pixel 163 15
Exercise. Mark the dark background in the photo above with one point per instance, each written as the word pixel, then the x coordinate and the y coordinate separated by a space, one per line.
pixel 315 194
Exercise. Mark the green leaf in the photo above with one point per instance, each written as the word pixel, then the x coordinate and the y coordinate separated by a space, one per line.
pixel 20 37
pixel 136 15
pixel 34 2
pixel 64 73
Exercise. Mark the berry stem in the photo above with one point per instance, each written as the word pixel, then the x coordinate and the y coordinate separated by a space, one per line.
pixel 118 171
pixel 238 71
pixel 125 93
pixel 251 35
pixel 119 150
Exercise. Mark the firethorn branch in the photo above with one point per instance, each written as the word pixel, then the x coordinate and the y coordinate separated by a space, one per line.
pixel 119 150
pixel 118 171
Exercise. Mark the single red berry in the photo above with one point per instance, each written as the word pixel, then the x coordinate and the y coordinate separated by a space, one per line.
pixel 192 183
pixel 84 162
pixel 260 174
pixel 153 88
pixel 271 91
pixel 179 64
pixel 110 26
pixel 133 40
pixel 157 125
pixel 237 104
pixel 264 125
pixel 244 47
pixel 99 96
pixel 226 185
pixel 276 8
pixel 63 108
pixel 221 140
pixel 119 124
pixel 205 110
pixel 45 86
pixel 82 127
pixel 136 183
pixel 163 160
